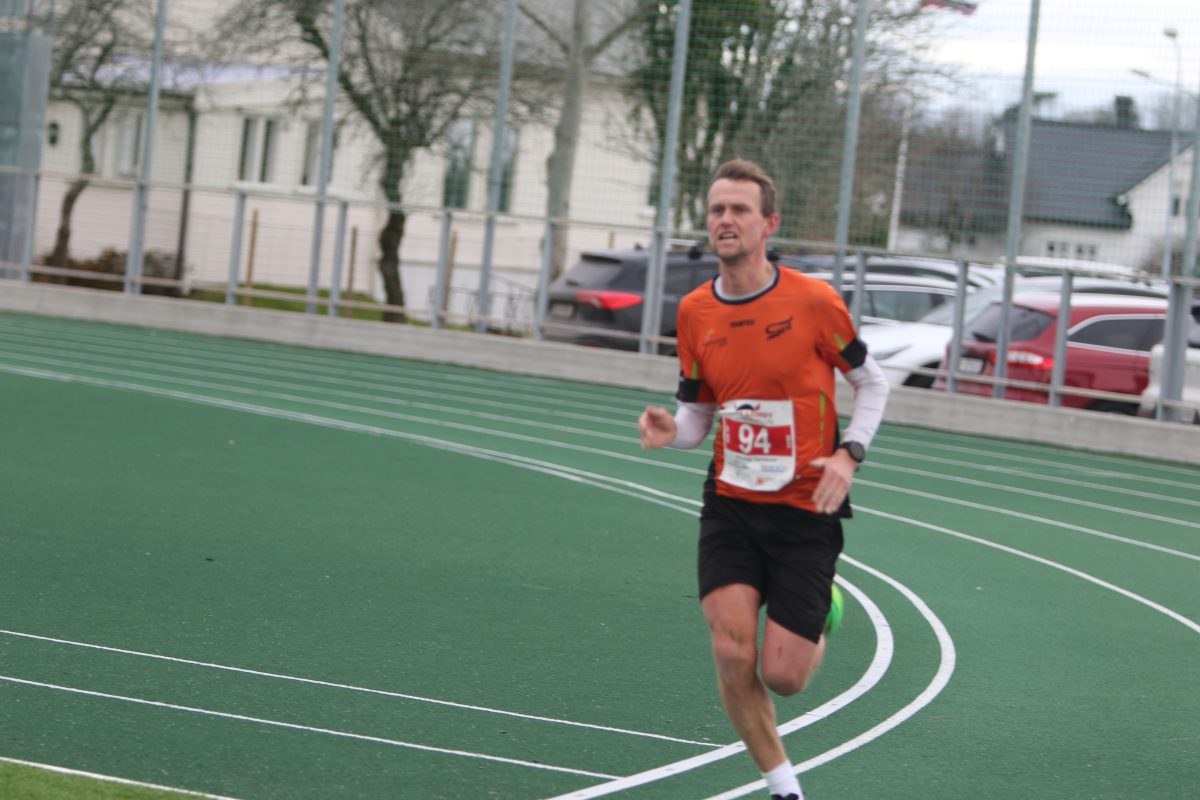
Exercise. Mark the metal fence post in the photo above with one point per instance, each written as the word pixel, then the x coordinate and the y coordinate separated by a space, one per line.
pixel 235 251
pixel 331 90
pixel 1059 370
pixel 135 255
pixel 339 244
pixel 543 290
pixel 496 168
pixel 850 140
pixel 956 327
pixel 1016 199
pixel 656 266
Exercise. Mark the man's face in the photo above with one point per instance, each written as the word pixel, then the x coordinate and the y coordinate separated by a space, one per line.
pixel 737 229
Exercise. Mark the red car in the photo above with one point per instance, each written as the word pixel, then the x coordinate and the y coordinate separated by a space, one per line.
pixel 1108 348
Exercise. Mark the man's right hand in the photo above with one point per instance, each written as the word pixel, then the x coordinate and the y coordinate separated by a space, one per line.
pixel 657 427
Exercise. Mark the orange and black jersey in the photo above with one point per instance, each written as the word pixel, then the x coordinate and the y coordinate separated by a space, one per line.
pixel 780 344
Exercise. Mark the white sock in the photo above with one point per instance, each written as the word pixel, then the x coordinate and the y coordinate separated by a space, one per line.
pixel 783 781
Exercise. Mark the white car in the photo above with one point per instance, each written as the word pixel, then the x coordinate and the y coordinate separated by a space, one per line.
pixel 1191 377
pixel 908 353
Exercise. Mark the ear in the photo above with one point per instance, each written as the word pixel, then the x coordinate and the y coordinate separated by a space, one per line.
pixel 772 223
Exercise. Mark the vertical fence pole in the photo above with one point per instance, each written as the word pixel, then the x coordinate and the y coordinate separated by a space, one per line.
pixel 956 327
pixel 1059 370
pixel 339 244
pixel 235 250
pixel 496 167
pixel 23 273
pixel 543 290
pixel 860 278
pixel 331 87
pixel 1016 199
pixel 850 139
pixel 442 279
pixel 656 267
pixel 1175 344
pixel 135 255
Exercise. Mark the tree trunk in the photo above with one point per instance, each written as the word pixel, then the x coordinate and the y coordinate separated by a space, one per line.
pixel 560 165
pixel 61 254
pixel 389 263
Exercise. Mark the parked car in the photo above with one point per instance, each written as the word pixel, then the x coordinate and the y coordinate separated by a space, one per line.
pixel 904 350
pixel 599 300
pixel 978 275
pixel 1108 348
pixel 1191 375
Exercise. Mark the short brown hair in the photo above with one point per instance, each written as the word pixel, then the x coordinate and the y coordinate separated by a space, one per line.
pixel 741 169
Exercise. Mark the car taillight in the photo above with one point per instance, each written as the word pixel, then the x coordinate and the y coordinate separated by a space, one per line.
pixel 1024 358
pixel 609 301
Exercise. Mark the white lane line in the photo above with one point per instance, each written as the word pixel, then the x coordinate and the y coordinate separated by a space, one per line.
pixel 884 649
pixel 474 429
pixel 1031 517
pixel 111 779
pixel 381 390
pixel 1131 469
pixel 940 679
pixel 883 631
pixel 304 728
pixel 1044 561
pixel 995 487
pixel 386 369
pixel 349 687
pixel 1023 473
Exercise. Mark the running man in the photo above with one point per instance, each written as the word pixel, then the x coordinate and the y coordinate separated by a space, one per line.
pixel 757 349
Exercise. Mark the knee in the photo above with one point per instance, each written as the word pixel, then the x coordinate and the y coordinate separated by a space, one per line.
pixel 737 660
pixel 785 680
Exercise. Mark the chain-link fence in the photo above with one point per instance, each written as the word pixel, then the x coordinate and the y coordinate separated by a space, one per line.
pixel 444 162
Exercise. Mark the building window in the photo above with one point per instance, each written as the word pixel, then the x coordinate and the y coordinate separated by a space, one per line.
pixel 312 155
pixel 257 159
pixel 457 183
pixel 508 168
pixel 129 144
pixel 1087 252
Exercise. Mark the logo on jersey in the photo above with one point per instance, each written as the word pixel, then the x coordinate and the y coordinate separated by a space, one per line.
pixel 775 329
pixel 741 323
pixel 711 338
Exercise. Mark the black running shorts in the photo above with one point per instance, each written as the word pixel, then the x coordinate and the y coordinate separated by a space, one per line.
pixel 788 554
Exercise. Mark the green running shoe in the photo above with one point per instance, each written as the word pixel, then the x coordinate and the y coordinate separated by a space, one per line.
pixel 836 604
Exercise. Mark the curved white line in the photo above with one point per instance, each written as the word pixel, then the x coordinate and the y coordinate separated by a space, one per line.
pixel 1044 561
pixel 940 679
pixel 1031 517
pixel 884 648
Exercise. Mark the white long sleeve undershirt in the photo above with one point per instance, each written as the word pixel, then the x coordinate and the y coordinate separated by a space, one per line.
pixel 693 421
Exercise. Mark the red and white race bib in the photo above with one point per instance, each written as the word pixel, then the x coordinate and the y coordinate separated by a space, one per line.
pixel 759 438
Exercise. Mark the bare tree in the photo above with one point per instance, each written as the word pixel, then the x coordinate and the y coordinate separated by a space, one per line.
pixel 767 81
pixel 94 64
pixel 408 70
pixel 580 50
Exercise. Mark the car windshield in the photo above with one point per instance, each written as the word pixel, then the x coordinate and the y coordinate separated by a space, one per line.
pixel 1024 323
pixel 976 302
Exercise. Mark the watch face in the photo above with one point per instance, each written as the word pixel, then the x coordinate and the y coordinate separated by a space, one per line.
pixel 856 451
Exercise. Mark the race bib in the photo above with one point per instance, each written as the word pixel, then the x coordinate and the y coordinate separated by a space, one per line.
pixel 759 438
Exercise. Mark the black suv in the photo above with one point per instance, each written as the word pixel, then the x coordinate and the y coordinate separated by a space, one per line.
pixel 598 301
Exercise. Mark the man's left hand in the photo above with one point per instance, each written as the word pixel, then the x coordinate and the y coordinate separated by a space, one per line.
pixel 838 473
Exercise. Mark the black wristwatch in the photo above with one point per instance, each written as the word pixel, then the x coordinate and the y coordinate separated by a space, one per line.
pixel 856 451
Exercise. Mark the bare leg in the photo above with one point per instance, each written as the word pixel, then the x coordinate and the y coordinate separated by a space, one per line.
pixel 732 615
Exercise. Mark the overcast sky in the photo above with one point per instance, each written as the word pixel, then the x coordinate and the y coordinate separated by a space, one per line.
pixel 1085 49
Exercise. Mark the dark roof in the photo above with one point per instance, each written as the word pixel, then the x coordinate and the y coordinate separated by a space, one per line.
pixel 1077 172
